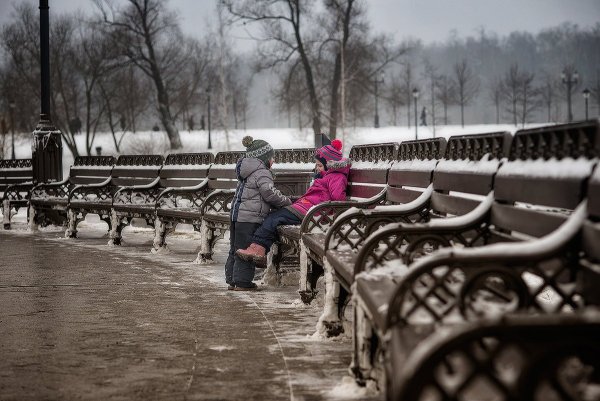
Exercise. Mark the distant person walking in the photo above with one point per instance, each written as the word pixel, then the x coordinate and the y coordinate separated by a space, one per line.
pixel 202 126
pixel 424 116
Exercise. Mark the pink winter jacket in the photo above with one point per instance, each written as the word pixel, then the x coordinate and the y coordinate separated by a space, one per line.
pixel 332 187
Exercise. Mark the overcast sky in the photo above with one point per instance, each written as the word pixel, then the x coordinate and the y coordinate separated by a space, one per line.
pixel 428 20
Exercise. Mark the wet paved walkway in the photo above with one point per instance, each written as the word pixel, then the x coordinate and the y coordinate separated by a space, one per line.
pixel 80 320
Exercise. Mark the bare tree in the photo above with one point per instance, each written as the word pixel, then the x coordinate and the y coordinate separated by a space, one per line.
pixel 282 22
pixel 495 95
pixel 467 86
pixel 445 94
pixel 548 93
pixel 407 79
pixel 528 96
pixel 395 97
pixel 432 78
pixel 511 90
pixel 145 32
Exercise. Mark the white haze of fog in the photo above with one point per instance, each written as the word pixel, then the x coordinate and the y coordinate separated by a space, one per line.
pixel 427 20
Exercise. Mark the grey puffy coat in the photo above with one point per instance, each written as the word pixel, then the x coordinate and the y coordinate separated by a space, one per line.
pixel 255 193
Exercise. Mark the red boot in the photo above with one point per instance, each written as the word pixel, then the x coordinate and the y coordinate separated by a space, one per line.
pixel 254 253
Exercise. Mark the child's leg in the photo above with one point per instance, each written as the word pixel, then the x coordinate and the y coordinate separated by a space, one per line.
pixel 243 271
pixel 267 232
pixel 230 257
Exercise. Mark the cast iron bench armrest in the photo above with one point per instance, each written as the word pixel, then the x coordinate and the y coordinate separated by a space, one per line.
pixel 192 188
pixel 542 343
pixel 121 195
pixel 362 222
pixel 217 201
pixel 170 196
pixel 406 241
pixel 17 189
pixel 319 213
pixel 81 189
pixel 505 260
pixel 60 188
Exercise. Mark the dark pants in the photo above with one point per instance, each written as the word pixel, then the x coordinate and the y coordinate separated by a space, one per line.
pixel 266 234
pixel 237 271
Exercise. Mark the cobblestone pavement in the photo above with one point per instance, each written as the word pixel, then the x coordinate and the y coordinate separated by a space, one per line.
pixel 81 320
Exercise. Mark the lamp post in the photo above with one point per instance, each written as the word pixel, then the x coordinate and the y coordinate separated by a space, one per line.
pixel 46 150
pixel 415 93
pixel 569 77
pixel 12 127
pixel 209 138
pixel 378 80
pixel 586 96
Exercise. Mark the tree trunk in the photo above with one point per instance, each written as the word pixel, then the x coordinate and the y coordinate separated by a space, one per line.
pixel 333 106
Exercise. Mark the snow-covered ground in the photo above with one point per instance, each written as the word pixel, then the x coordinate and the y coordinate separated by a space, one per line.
pixel 197 141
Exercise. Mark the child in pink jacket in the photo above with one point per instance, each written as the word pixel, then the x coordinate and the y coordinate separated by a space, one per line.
pixel 330 183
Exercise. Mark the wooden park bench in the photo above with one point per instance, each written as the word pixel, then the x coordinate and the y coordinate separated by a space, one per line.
pixel 366 184
pixel 468 165
pixel 97 198
pixel 517 357
pixel 16 180
pixel 535 241
pixel 182 173
pixel 48 202
pixel 292 173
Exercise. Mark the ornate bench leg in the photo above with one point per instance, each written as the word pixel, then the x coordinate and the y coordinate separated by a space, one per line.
pixel 272 274
pixel 361 366
pixel 159 245
pixel 206 237
pixel 306 290
pixel 116 226
pixel 71 231
pixel 6 214
pixel 31 219
pixel 330 322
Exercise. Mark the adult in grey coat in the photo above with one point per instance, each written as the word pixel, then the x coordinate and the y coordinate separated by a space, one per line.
pixel 254 197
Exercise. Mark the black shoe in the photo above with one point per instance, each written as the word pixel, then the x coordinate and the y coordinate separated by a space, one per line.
pixel 252 287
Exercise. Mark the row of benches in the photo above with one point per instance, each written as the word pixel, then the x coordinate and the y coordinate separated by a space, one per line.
pixel 461 195
pixel 500 233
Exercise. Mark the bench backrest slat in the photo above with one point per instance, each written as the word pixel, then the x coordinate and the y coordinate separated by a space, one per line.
pixel 368 172
pixel 465 170
pixel 14 172
pixel 525 221
pixel 91 169
pixel 185 169
pixel 136 169
pixel 548 168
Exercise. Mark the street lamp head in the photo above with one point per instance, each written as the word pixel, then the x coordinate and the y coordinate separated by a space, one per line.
pixel 586 93
pixel 382 76
pixel 12 104
pixel 415 93
pixel 575 76
pixel 208 90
